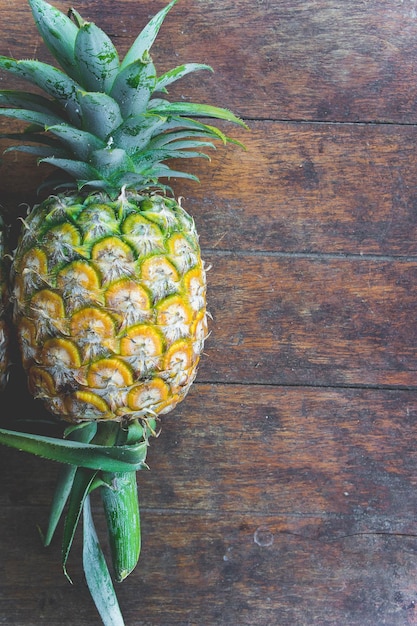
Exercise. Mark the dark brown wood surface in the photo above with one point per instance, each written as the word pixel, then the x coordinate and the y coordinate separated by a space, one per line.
pixel 282 491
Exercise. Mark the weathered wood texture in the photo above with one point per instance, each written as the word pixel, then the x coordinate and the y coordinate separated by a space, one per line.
pixel 322 59
pixel 282 492
pixel 284 506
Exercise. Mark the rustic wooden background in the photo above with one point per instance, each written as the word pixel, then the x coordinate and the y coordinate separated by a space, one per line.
pixel 282 492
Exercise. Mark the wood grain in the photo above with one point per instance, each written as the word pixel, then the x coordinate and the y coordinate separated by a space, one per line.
pixel 285 506
pixel 310 188
pixel 315 188
pixel 350 61
pixel 311 320
pixel 282 491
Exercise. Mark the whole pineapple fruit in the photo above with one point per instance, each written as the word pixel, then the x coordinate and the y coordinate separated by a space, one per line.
pixel 109 288
pixel 109 285
pixel 109 304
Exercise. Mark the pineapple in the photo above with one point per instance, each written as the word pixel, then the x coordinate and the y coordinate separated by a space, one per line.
pixel 109 285
pixel 4 327
pixel 109 288
pixel 109 305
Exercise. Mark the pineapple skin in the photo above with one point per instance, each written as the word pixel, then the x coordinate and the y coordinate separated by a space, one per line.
pixel 109 303
pixel 4 326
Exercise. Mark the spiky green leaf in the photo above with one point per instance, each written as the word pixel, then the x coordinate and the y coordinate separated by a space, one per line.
pixel 48 78
pixel 77 169
pixel 133 87
pixel 178 72
pixel 134 180
pixel 156 156
pixel 41 151
pixel 145 39
pixel 96 57
pixel 135 133
pixel 174 136
pixel 194 109
pixel 84 433
pixel 80 142
pixel 35 135
pixel 110 162
pixel 25 100
pixel 109 458
pixel 100 113
pixel 161 170
pixel 97 573
pixel 59 34
pixel 80 488
pixel 61 495
pixel 32 117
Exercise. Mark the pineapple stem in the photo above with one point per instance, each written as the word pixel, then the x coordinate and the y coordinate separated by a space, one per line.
pixel 121 507
pixel 119 495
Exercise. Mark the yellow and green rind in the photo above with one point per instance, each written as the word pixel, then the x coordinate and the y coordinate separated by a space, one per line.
pixel 109 305
pixel 4 325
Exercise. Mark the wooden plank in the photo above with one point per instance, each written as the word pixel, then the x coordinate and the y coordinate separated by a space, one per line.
pixel 342 189
pixel 298 507
pixel 306 321
pixel 209 569
pixel 310 188
pixel 311 320
pixel 344 455
pixel 322 60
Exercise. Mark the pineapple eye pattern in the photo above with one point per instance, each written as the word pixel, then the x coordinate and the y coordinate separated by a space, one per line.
pixel 144 236
pixel 130 301
pixel 114 259
pixel 104 307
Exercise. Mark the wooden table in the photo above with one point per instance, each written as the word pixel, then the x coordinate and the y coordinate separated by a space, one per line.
pixel 282 492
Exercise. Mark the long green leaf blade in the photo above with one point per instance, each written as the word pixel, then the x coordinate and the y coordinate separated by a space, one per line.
pixel 26 100
pixel 32 117
pixel 58 32
pixel 97 574
pixel 77 169
pixel 61 495
pixel 36 137
pixel 175 136
pixel 100 113
pixel 112 162
pixel 146 159
pixel 96 58
pixel 40 151
pixel 147 36
pixel 178 72
pixel 195 110
pixel 133 87
pixel 80 488
pixel 50 79
pixel 177 122
pixel 135 133
pixel 185 144
pixel 160 170
pixel 108 458
pixel 83 433
pixel 80 142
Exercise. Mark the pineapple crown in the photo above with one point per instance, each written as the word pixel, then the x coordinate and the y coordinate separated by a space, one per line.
pixel 103 120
